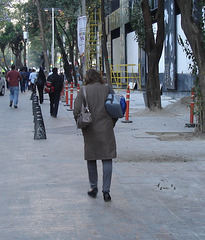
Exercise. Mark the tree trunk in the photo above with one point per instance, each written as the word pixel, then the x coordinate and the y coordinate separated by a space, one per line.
pixel 202 88
pixel 104 47
pixel 73 33
pixel 152 84
pixel 5 62
pixel 42 37
pixel 195 36
pixel 18 60
pixel 153 49
pixel 66 64
pixel 73 63
pixel 24 53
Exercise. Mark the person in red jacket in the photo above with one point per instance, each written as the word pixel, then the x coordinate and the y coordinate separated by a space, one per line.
pixel 13 77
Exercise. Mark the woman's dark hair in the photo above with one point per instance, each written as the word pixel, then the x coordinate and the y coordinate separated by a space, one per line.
pixel 41 73
pixel 93 76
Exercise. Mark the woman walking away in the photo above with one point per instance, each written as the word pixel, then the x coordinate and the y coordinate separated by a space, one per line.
pixel 99 138
pixel 40 82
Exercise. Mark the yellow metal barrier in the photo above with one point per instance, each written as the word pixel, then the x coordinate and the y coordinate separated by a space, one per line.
pixel 125 74
pixel 93 41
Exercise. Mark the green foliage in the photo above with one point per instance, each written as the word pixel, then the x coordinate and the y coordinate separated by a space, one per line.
pixel 66 11
pixel 11 37
pixel 14 33
pixel 137 22
pixel 4 12
pixel 4 40
pixel 3 46
pixel 92 5
pixel 25 14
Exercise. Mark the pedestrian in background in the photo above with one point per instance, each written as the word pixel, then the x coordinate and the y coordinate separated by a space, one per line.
pixel 57 82
pixel 13 77
pixel 99 138
pixel 29 81
pixel 27 73
pixel 24 79
pixel 40 83
pixel 32 78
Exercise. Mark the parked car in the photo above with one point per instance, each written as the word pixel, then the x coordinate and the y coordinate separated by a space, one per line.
pixel 2 86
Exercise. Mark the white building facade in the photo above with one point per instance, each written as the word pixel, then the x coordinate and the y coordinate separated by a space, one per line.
pixel 174 69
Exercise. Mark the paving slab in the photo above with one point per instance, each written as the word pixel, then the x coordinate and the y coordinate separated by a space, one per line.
pixel 157 187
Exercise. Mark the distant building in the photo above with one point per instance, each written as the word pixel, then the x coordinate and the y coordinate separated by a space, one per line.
pixel 174 70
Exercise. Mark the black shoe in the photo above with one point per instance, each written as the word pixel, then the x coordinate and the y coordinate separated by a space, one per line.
pixel 106 196
pixel 93 192
pixel 15 106
pixel 11 102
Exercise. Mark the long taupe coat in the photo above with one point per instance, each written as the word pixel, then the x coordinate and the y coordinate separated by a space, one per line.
pixel 99 138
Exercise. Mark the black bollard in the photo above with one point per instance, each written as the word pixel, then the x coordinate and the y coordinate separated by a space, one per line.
pixel 39 127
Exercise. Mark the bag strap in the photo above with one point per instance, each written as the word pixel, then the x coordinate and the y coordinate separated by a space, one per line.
pixel 111 91
pixel 84 93
pixel 50 79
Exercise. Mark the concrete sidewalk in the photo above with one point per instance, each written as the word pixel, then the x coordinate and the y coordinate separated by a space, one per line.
pixel 157 188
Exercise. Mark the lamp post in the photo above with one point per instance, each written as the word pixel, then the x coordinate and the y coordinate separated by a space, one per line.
pixel 53 43
pixel 83 14
pixel 53 33
pixel 25 37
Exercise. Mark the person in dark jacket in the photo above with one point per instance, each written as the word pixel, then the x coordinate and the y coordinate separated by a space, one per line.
pixel 99 138
pixel 56 81
pixel 40 82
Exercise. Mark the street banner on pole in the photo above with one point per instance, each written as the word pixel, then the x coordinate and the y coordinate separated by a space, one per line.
pixel 81 30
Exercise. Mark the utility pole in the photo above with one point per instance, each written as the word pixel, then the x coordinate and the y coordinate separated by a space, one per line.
pixel 27 43
pixel 53 43
pixel 84 60
pixel 83 7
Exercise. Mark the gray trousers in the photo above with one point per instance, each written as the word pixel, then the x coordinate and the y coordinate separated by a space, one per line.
pixel 93 174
